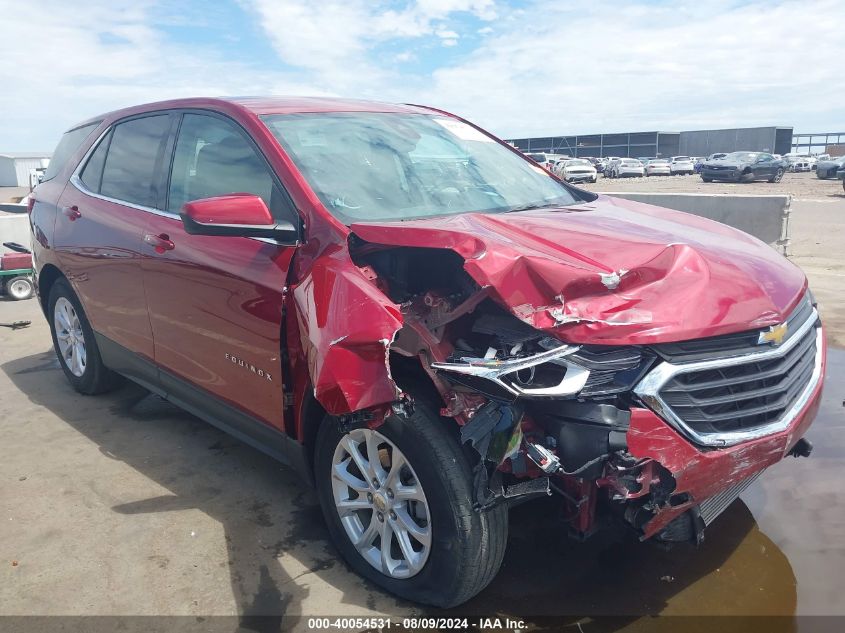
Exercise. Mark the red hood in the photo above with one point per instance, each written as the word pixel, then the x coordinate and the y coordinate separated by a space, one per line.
pixel 613 271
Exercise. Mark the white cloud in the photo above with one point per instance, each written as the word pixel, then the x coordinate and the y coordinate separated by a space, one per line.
pixel 548 68
pixel 557 69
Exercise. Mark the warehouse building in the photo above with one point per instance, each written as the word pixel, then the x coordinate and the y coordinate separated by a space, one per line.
pixel 15 167
pixel 777 140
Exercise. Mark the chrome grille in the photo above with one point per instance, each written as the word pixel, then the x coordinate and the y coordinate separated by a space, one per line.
pixel 741 391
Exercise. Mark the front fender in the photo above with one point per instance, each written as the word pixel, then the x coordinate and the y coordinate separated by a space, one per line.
pixel 346 325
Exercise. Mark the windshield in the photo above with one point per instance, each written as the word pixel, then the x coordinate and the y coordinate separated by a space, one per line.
pixel 684 159
pixel 389 166
pixel 577 163
pixel 537 158
pixel 658 162
pixel 742 156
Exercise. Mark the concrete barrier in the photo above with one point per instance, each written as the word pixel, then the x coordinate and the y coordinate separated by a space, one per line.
pixel 14 227
pixel 765 217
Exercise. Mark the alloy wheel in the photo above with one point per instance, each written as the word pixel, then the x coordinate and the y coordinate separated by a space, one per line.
pixel 70 336
pixel 381 503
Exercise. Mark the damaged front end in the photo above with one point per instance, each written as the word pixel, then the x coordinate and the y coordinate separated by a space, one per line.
pixel 564 375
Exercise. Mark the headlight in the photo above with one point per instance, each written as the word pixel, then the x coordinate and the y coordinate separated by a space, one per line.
pixel 563 371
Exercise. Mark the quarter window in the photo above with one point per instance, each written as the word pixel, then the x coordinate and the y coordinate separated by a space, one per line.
pixel 129 173
pixel 92 174
pixel 70 142
pixel 213 158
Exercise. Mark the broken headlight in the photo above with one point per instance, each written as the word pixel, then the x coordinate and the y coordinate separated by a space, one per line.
pixel 560 371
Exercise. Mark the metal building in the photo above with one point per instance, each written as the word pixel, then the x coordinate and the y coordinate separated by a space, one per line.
pixel 777 140
pixel 15 167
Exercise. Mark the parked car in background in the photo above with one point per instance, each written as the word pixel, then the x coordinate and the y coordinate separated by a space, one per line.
pixel 610 163
pixel 830 167
pixel 626 168
pixel 744 167
pixel 576 170
pixel 799 164
pixel 597 162
pixel 333 283
pixel 657 167
pixel 681 165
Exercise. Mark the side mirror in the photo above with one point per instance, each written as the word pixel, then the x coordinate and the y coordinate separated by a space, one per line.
pixel 235 215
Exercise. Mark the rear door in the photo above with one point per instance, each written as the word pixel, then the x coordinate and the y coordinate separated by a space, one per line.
pixel 98 232
pixel 215 303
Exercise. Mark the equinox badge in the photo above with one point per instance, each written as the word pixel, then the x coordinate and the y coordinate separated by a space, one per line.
pixel 249 366
pixel 774 335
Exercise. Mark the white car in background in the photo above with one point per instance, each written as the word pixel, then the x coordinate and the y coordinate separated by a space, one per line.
pixel 681 165
pixel 626 168
pixel 576 170
pixel 657 167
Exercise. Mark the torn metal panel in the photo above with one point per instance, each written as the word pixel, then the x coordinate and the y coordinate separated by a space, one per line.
pixel 613 273
pixel 346 325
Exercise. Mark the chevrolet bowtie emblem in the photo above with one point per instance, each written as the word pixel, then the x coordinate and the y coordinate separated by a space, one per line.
pixel 774 335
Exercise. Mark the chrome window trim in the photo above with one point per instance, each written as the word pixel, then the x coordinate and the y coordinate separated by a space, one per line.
pixel 648 389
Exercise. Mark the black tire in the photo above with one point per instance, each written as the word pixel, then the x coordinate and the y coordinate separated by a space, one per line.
pixel 467 545
pixel 706 179
pixel 777 176
pixel 20 287
pixel 96 377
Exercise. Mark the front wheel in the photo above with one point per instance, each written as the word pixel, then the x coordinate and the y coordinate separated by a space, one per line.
pixel 20 288
pixel 73 340
pixel 777 176
pixel 398 504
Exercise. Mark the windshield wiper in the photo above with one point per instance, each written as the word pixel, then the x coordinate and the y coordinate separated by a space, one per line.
pixel 528 207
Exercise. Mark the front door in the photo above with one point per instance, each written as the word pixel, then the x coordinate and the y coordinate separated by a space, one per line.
pixel 215 303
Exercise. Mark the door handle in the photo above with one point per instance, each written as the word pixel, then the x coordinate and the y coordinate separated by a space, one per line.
pixel 72 212
pixel 161 243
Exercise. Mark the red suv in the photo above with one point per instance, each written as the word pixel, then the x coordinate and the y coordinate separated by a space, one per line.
pixel 426 324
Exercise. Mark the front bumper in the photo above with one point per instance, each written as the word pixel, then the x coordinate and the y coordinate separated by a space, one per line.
pixel 703 473
pixel 721 174
pixel 623 173
pixel 580 177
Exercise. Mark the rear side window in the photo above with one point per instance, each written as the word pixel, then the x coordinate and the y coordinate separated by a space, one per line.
pixel 70 142
pixel 136 147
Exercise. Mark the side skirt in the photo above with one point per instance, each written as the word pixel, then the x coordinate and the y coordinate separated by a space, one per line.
pixel 206 406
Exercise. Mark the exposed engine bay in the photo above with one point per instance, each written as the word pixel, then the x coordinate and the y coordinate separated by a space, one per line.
pixel 544 417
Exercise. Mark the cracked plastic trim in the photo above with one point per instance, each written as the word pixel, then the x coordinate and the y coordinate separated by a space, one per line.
pixel 649 389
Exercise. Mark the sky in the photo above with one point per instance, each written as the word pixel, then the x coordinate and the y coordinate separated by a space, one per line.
pixel 517 68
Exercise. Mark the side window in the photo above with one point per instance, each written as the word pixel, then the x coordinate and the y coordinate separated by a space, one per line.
pixel 130 168
pixel 70 142
pixel 214 158
pixel 765 158
pixel 92 175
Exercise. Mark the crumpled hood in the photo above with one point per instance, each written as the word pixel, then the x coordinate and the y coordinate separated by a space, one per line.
pixel 613 271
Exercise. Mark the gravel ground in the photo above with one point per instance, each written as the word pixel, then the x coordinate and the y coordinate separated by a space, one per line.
pixel 803 186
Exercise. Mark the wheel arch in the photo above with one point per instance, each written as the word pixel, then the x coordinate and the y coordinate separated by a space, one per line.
pixel 47 276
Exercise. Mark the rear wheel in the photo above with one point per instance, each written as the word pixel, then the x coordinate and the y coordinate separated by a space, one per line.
pixel 20 288
pixel 73 340
pixel 398 504
pixel 706 179
pixel 777 176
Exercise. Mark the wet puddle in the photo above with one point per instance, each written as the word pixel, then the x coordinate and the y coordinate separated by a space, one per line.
pixel 779 550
